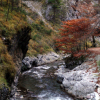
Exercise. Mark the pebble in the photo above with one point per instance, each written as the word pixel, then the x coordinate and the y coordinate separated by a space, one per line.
pixel 93 96
pixel 21 96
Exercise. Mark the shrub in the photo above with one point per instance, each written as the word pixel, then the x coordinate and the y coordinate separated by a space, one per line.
pixel 35 37
pixel 98 63
pixel 41 22
pixel 71 62
pixel 23 11
pixel 36 26
pixel 46 47
pixel 51 1
pixel 48 32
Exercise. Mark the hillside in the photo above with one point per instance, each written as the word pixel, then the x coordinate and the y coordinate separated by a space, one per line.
pixel 21 29
pixel 31 27
pixel 9 26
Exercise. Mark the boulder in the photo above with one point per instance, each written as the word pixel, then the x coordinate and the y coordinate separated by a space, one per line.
pixel 28 63
pixel 47 58
pixel 4 93
pixel 93 96
pixel 78 82
pixel 59 79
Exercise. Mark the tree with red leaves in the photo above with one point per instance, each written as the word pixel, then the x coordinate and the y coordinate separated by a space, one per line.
pixel 73 34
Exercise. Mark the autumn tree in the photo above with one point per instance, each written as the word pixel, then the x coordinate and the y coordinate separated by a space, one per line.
pixel 73 33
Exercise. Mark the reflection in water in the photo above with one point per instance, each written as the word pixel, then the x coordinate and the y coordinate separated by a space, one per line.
pixel 39 83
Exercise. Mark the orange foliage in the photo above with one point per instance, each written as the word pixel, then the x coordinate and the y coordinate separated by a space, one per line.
pixel 72 34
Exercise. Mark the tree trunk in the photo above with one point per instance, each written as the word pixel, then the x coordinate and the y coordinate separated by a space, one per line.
pixel 1 2
pixel 7 2
pixel 12 3
pixel 86 45
pixel 21 3
pixel 17 3
pixel 54 14
pixel 93 42
pixel 79 47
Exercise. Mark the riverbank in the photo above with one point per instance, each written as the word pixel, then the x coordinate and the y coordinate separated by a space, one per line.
pixel 83 82
pixel 40 83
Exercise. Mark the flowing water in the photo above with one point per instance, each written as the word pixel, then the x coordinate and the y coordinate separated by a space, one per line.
pixel 40 83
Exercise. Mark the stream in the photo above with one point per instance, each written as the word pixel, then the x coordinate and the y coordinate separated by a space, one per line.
pixel 40 83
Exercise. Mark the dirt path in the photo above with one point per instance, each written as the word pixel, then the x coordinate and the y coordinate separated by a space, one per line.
pixel 94 54
pixel 94 50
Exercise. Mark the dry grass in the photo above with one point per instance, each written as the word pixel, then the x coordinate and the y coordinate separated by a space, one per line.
pixel 15 21
pixel 7 66
pixel 8 27
pixel 42 39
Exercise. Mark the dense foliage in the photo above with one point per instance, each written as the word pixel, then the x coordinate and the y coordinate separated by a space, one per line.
pixel 73 34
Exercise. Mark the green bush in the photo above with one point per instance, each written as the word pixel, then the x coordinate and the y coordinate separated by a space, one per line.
pixel 41 29
pixel 35 37
pixel 23 11
pixel 48 32
pixel 19 9
pixel 98 63
pixel 46 47
pixel 41 22
pixel 36 26
pixel 51 1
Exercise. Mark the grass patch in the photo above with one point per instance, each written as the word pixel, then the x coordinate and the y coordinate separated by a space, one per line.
pixel 41 28
pixel 35 37
pixel 3 81
pixel 42 37
pixel 98 63
pixel 7 66
pixel 15 21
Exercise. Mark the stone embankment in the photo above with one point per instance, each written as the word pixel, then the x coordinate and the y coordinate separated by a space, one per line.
pixel 83 81
pixel 29 62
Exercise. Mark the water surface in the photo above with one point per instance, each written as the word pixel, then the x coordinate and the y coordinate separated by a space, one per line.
pixel 40 83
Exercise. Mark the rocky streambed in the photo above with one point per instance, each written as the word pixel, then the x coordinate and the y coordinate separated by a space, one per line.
pixel 40 82
pixel 52 81
pixel 82 81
